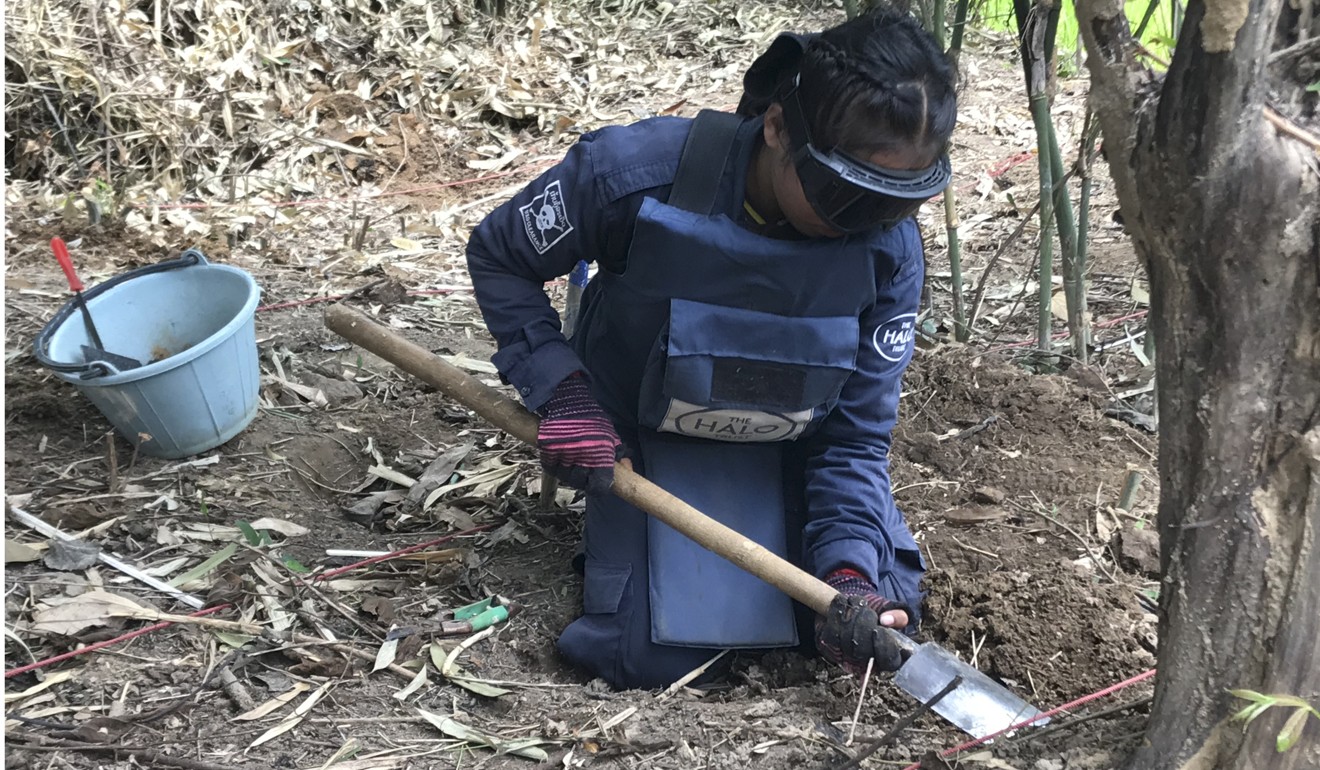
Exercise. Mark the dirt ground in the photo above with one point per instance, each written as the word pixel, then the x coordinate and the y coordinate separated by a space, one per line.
pixel 1009 480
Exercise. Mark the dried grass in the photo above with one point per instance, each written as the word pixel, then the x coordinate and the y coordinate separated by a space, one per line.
pixel 226 100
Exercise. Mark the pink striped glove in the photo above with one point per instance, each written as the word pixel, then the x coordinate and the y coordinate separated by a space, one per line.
pixel 577 442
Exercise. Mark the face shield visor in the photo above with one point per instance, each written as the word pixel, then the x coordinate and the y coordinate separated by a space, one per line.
pixel 848 194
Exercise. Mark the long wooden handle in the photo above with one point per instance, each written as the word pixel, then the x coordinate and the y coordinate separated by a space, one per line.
pixel 502 412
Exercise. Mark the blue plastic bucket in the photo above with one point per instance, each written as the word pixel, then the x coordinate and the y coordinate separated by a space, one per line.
pixel 193 323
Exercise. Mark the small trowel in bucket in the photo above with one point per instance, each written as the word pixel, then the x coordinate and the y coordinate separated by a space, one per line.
pixel 96 351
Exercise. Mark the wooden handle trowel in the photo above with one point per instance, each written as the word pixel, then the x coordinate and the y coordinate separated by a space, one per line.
pixel 978 705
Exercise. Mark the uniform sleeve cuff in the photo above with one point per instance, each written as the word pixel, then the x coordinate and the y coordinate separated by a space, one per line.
pixel 856 554
pixel 536 373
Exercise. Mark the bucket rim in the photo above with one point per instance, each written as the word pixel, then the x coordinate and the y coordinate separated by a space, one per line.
pixel 65 314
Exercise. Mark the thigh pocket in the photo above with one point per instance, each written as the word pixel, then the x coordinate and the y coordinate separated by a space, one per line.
pixel 604 586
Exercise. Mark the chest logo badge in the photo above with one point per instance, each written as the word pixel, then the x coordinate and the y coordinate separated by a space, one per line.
pixel 893 338
pixel 736 425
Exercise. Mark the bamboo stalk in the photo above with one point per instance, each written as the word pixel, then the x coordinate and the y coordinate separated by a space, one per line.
pixel 1039 69
pixel 1085 160
pixel 1145 19
pixel 961 332
pixel 1131 483
pixel 959 25
pixel 937 21
pixel 1074 282
pixel 1035 43
pixel 1040 114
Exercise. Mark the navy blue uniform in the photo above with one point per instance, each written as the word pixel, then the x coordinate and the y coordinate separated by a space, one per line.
pixel 759 379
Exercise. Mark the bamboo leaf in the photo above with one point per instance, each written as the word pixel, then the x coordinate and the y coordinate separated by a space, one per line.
pixel 69 615
pixel 52 680
pixel 1292 730
pixel 385 655
pixel 16 552
pixel 276 731
pixel 294 565
pixel 237 641
pixel 248 532
pixel 413 686
pixel 456 675
pixel 273 704
pixel 293 719
pixel 479 687
pixel 438 655
pixel 286 528
pixel 207 566
pixel 526 747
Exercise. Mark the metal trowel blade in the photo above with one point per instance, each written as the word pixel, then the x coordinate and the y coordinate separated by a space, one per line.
pixel 979 706
pixel 122 363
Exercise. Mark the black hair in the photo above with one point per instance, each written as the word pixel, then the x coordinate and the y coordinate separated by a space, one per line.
pixel 878 83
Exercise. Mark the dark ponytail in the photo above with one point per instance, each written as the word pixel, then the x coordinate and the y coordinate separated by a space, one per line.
pixel 876 83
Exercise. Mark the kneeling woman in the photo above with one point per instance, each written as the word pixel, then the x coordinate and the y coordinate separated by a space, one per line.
pixel 742 341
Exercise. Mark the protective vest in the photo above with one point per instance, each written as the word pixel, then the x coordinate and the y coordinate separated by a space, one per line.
pixel 717 334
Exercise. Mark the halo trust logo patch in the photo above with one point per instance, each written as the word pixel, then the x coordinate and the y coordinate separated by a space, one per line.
pixel 893 338
pixel 546 218
pixel 736 425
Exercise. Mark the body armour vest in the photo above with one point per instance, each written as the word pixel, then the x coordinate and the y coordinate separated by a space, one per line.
pixel 717 332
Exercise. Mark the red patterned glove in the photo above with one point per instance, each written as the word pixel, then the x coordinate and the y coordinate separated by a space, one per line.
pixel 851 634
pixel 578 444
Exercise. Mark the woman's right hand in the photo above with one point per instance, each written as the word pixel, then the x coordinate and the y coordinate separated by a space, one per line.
pixel 576 441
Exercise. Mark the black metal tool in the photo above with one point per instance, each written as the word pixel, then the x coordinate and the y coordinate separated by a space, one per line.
pixel 96 351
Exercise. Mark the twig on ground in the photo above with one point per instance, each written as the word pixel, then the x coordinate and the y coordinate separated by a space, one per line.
pixel 901 725
pixel 861 698
pixel 1285 126
pixel 974 549
pixel 112 463
pixel 35 742
pixel 299 582
pixel 689 676
pixel 1095 558
pixel 972 431
pixel 46 529
pixel 237 693
pixel 979 292
pixel 1044 731
pixel 1296 49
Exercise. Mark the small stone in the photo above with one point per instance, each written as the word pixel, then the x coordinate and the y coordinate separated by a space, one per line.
pixel 989 495
pixel 971 515
pixel 337 392
pixel 761 709
pixel 1137 551
pixel 71 555
pixel 1048 764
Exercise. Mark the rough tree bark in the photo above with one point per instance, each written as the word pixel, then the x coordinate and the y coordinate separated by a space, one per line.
pixel 1223 204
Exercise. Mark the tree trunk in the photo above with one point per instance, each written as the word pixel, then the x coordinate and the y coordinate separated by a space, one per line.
pixel 1224 208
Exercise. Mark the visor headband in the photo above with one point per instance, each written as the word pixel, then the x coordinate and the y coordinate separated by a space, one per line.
pixel 902 183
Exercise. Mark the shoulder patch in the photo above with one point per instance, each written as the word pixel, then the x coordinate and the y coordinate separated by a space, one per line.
pixel 545 218
pixel 893 339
